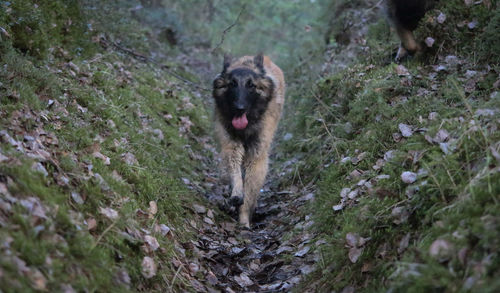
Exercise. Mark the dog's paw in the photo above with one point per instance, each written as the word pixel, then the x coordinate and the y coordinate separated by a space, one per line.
pixel 236 201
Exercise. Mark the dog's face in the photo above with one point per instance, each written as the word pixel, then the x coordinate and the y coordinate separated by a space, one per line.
pixel 242 94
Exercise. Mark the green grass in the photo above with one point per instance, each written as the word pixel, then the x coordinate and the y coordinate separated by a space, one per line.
pixel 455 199
pixel 104 102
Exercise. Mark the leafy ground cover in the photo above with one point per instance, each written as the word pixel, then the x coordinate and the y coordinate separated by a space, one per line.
pixel 384 178
pixel 97 152
pixel 409 190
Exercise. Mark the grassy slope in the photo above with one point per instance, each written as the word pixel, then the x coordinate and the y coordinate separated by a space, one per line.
pixel 440 233
pixel 66 105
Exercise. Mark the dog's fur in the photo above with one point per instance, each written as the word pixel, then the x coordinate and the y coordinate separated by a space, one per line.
pixel 405 15
pixel 253 87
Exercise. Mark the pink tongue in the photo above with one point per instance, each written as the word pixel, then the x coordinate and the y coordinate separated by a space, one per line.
pixel 240 122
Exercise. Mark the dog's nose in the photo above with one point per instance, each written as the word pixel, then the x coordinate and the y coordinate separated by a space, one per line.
pixel 240 106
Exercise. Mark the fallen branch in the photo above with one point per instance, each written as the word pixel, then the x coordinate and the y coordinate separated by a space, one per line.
pixel 106 43
pixel 229 28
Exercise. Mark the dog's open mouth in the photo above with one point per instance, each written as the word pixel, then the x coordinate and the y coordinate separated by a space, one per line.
pixel 240 123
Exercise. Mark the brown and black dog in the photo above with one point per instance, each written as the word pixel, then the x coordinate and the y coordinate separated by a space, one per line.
pixel 405 15
pixel 249 95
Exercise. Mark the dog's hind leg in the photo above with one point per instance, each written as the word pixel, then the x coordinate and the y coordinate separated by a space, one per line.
pixel 408 43
pixel 255 174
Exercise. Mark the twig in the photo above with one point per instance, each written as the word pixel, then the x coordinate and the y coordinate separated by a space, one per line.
pixel 102 235
pixel 147 59
pixel 223 36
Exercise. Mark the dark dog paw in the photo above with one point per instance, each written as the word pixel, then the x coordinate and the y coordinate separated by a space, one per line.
pixel 236 201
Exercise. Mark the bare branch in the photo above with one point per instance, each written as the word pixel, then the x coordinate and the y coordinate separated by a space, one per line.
pixel 106 43
pixel 229 28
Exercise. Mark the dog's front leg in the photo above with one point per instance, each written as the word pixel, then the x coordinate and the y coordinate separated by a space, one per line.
pixel 255 175
pixel 232 156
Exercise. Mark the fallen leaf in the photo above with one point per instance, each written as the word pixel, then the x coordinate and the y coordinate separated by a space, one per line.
pixel 212 278
pixel 67 288
pixel 151 242
pixel 441 18
pixel 149 267
pixel 348 289
pixel 194 268
pixel 38 280
pixel 353 194
pixel 403 244
pixel 402 71
pixel 129 159
pixel 153 209
pixel 354 254
pixel 433 115
pixel 109 213
pixel 473 24
pixel 338 207
pixel 441 136
pixel 91 224
pixel 408 177
pixel 429 41
pixel 98 155
pixel 344 192
pixel 406 130
pixel 303 251
pixel 462 255
pixel 400 215
pixel 199 209
pixel 352 239
pixel 243 280
pixel 440 249
pixel 76 197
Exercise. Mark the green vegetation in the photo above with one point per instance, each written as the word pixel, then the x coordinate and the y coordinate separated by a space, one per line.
pixel 88 133
pixel 101 153
pixel 440 232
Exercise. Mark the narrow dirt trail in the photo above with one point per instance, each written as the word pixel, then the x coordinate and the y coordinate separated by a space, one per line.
pixel 273 256
pixel 266 258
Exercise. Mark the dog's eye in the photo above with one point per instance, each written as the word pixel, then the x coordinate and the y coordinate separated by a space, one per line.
pixel 234 83
pixel 250 84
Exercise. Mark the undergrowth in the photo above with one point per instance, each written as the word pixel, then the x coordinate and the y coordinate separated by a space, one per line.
pixel 437 232
pixel 97 153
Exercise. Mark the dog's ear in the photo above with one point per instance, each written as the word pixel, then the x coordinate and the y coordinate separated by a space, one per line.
pixel 227 61
pixel 219 82
pixel 258 60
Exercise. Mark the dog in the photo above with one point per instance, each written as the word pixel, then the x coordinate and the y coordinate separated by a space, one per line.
pixel 249 95
pixel 405 15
